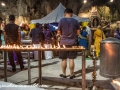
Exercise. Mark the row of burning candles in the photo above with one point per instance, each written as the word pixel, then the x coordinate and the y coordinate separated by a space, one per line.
pixel 117 83
pixel 37 47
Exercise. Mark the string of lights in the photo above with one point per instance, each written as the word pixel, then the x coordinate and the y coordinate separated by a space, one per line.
pixel 85 1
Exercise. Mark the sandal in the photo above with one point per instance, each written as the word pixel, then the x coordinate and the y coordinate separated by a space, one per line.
pixel 63 76
pixel 71 77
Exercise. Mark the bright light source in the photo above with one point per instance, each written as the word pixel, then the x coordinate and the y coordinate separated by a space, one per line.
pixel 85 1
pixel 3 4
pixel 111 0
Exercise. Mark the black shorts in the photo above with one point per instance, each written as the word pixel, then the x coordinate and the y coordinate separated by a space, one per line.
pixel 67 54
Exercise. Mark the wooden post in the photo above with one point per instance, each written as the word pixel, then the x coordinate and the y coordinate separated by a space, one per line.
pixel 83 71
pixel 5 66
pixel 39 67
pixel 29 69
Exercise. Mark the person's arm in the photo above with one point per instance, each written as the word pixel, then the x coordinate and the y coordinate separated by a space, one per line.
pixel 42 38
pixel 78 32
pixel 4 36
pixel 103 35
pixel 30 34
pixel 78 29
pixel 59 32
pixel 87 35
pixel 94 35
pixel 4 32
pixel 59 28
pixel 88 31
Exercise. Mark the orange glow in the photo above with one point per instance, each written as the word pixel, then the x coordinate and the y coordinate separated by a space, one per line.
pixel 116 82
pixel 64 46
pixel 35 47
pixel 58 45
pixel 109 48
pixel 54 46
pixel 51 46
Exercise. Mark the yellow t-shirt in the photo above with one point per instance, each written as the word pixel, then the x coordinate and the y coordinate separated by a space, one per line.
pixel 32 26
pixel 84 24
pixel 25 32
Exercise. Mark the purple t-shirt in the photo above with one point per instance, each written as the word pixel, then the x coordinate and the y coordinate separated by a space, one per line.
pixel 68 28
pixel 48 35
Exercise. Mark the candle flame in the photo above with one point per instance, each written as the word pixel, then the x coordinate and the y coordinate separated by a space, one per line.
pixel 64 46
pixel 116 82
pixel 54 46
pixel 82 47
pixel 58 45
pixel 27 46
pixel 50 46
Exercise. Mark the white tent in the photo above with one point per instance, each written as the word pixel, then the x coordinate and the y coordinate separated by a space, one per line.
pixel 56 15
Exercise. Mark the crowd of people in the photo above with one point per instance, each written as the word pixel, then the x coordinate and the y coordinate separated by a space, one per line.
pixel 69 33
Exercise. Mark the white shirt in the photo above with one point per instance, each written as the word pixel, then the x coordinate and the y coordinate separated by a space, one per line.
pixel 88 31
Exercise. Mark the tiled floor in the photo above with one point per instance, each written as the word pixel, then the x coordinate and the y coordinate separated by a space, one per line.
pixel 51 80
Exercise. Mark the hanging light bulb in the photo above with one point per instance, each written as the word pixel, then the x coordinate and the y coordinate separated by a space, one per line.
pixel 111 0
pixel 3 4
pixel 85 1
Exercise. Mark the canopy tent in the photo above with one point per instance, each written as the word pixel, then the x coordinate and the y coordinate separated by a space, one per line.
pixel 56 15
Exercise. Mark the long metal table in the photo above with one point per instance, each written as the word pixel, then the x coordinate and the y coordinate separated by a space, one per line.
pixel 40 64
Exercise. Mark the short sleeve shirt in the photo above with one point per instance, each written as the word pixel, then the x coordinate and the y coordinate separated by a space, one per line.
pixel 11 29
pixel 68 28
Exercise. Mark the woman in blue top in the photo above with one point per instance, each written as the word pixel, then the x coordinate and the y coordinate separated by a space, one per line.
pixel 83 38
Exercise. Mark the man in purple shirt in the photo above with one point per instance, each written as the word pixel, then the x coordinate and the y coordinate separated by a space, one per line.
pixel 47 42
pixel 68 28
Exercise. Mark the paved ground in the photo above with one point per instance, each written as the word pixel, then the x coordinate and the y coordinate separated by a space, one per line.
pixel 51 80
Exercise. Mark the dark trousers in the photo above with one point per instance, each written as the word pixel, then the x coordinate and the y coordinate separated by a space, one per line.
pixel 11 59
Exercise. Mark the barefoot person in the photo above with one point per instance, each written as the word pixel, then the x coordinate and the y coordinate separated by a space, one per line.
pixel 68 28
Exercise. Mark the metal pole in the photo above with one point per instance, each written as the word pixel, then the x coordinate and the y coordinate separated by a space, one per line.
pixel 83 71
pixel 39 68
pixel 94 58
pixel 29 70
pixel 5 66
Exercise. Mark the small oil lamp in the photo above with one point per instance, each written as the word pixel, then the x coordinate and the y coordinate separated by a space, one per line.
pixel 118 83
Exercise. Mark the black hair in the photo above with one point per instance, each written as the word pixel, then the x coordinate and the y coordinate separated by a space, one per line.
pixel 84 28
pixel 68 10
pixel 11 18
pixel 41 28
pixel 45 26
pixel 37 25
